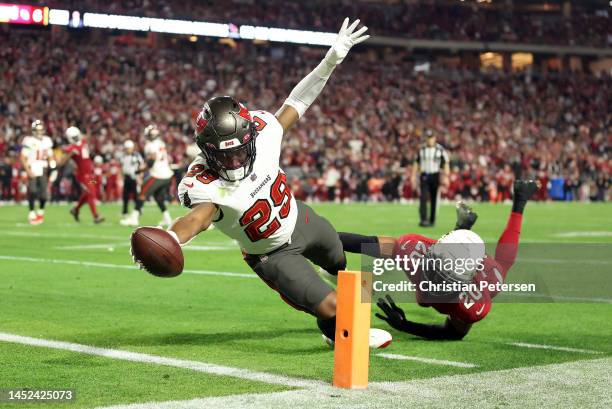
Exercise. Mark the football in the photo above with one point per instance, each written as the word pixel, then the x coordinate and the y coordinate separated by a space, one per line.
pixel 157 251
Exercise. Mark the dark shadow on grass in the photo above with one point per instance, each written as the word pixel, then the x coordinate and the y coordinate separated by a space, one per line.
pixel 121 338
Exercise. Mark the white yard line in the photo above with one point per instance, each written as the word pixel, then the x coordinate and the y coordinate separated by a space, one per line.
pixel 62 235
pixel 426 360
pixel 248 275
pixel 584 234
pixel 126 244
pixel 119 266
pixel 564 261
pixel 91 246
pixel 560 297
pixel 197 366
pixel 554 348
pixel 583 384
pixel 124 238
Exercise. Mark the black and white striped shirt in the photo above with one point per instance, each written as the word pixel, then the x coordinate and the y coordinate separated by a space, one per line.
pixel 131 163
pixel 431 159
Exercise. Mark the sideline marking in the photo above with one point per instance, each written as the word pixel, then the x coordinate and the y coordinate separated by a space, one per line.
pixel 426 360
pixel 553 347
pixel 161 360
pixel 123 266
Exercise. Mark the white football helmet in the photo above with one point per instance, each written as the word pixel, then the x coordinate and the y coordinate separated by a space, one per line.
pixel 128 145
pixel 73 134
pixel 38 128
pixel 447 260
pixel 151 132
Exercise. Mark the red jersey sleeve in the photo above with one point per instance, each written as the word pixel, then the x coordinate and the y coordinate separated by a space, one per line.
pixel 71 149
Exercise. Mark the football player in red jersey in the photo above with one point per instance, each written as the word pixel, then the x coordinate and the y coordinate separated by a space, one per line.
pixel 461 308
pixel 79 152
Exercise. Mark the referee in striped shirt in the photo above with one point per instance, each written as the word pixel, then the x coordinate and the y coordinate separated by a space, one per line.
pixel 431 158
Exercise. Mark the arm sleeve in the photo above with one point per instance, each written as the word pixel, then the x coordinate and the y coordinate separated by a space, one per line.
pixel 446 331
pixel 357 243
pixel 307 90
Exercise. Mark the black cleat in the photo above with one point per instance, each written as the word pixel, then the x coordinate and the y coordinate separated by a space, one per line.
pixel 524 189
pixel 75 213
pixel 466 217
pixel 99 219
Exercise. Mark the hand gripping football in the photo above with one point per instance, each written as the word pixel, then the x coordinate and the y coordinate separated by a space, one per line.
pixel 157 252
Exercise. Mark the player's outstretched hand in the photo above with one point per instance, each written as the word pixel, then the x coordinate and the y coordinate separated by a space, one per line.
pixel 394 315
pixel 347 37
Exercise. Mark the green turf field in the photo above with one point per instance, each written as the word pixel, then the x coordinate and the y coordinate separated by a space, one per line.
pixel 70 282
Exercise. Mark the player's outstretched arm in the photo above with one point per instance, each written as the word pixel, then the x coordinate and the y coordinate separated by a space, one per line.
pixel 307 90
pixel 452 329
pixel 197 220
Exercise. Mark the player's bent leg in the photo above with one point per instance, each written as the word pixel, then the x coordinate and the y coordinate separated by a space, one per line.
pixel 323 245
pixel 290 273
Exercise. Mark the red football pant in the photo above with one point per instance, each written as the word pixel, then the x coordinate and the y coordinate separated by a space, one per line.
pixel 88 194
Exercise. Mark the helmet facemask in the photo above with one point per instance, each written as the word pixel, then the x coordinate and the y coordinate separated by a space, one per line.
pixel 38 129
pixel 455 259
pixel 233 163
pixel 151 132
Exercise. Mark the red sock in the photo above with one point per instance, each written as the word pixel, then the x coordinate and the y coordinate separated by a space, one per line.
pixel 91 201
pixel 81 201
pixel 507 246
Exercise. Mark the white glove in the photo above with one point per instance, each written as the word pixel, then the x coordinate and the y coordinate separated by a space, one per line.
pixel 307 90
pixel 347 37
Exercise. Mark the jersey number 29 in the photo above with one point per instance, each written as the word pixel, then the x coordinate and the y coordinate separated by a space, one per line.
pixel 256 218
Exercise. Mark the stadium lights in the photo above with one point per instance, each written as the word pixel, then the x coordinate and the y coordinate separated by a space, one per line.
pixel 59 17
pixel 42 15
pixel 24 14
pixel 286 35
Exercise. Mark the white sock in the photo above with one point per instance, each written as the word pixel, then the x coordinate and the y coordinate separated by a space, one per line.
pixel 135 215
pixel 40 212
pixel 166 216
pixel 32 214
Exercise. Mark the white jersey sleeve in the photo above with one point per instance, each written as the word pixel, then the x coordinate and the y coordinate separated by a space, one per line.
pixel 192 190
pixel 270 130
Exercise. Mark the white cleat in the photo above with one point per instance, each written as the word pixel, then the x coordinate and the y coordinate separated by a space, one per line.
pixel 128 222
pixel 379 339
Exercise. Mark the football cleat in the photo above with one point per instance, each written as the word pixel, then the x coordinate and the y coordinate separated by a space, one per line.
pixel 130 221
pixel 36 220
pixel 524 189
pixel 99 219
pixel 466 217
pixel 75 213
pixel 379 339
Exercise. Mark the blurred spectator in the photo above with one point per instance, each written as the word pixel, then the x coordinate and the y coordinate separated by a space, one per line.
pixel 355 143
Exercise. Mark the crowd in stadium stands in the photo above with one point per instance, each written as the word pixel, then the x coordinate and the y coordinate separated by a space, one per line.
pixel 358 140
pixel 422 20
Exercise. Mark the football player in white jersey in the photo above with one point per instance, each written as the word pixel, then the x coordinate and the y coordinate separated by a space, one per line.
pixel 157 182
pixel 37 157
pixel 236 184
